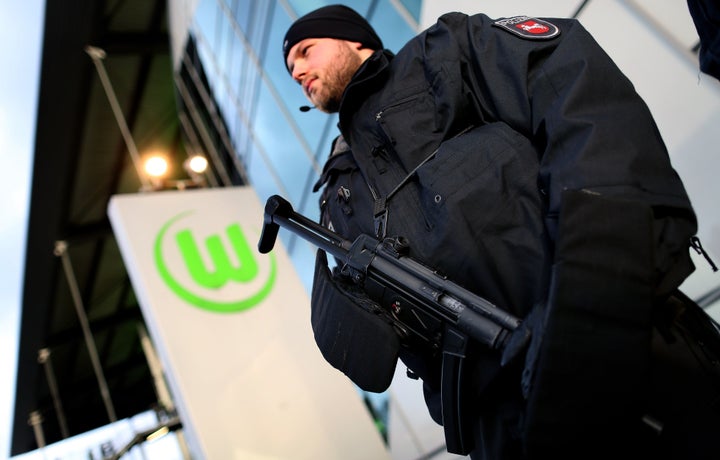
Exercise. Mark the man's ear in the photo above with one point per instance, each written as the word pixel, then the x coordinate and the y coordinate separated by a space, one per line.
pixel 361 50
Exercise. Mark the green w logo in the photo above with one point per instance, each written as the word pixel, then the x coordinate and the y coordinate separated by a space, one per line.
pixel 224 269
pixel 212 277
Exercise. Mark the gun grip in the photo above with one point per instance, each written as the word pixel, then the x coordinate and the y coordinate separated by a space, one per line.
pixel 275 205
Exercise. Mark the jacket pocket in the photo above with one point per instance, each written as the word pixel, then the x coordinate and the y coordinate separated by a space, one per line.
pixel 485 174
pixel 480 193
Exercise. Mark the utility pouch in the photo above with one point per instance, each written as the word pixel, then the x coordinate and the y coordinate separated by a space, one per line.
pixel 683 401
pixel 351 330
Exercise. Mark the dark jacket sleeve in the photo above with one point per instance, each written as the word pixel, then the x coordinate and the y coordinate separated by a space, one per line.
pixel 590 127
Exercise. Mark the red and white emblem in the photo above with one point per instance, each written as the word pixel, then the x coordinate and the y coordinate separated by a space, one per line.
pixel 527 27
pixel 533 27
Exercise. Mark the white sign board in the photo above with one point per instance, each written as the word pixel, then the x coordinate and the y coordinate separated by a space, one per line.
pixel 232 329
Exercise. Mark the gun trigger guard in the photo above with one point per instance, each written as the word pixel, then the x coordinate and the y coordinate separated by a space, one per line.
pixel 354 274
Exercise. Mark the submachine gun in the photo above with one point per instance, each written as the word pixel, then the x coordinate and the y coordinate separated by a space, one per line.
pixel 423 305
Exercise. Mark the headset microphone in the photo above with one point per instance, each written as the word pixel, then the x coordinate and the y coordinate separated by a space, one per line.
pixel 306 108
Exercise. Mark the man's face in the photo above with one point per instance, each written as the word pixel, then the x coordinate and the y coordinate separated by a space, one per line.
pixel 324 67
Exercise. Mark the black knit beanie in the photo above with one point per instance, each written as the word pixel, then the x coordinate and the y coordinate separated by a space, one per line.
pixel 334 21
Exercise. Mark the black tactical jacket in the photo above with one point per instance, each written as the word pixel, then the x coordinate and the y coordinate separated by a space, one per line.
pixel 474 135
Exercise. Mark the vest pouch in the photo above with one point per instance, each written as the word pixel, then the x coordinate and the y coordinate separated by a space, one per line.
pixel 683 400
pixel 351 330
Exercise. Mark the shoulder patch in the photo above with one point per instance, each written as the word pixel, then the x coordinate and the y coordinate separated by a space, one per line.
pixel 527 27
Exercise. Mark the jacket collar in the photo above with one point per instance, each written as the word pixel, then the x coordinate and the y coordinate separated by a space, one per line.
pixel 369 77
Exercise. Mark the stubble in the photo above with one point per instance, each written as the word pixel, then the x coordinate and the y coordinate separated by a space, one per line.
pixel 337 77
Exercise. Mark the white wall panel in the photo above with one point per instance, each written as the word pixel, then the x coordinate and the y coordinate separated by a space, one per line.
pixel 672 16
pixel 231 329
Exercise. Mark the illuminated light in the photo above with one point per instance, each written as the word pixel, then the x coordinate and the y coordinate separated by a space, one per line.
pixel 197 164
pixel 156 166
pixel 158 434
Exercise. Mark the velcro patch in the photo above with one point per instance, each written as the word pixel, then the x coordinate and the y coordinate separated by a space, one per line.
pixel 527 27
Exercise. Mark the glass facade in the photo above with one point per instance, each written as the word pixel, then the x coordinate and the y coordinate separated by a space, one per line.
pixel 277 148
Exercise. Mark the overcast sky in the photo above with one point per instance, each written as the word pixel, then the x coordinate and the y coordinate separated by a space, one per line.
pixel 20 46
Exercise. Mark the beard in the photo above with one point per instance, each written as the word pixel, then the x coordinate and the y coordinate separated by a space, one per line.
pixel 337 77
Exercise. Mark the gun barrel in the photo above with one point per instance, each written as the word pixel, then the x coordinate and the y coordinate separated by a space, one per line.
pixel 439 296
pixel 461 295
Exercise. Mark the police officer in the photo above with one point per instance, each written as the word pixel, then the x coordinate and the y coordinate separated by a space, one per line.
pixel 515 158
pixel 706 17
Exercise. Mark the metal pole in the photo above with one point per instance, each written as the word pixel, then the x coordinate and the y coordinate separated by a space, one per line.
pixel 61 251
pixel 97 55
pixel 44 359
pixel 35 420
pixel 161 389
